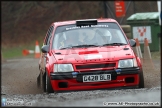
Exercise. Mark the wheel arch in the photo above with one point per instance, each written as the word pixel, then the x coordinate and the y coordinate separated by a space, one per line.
pixel 47 69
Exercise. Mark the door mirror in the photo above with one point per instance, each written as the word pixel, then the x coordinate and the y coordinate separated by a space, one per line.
pixel 132 42
pixel 45 49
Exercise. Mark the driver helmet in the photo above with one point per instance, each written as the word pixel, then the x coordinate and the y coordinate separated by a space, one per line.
pixel 107 35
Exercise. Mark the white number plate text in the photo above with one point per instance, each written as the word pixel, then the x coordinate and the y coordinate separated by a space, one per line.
pixel 96 78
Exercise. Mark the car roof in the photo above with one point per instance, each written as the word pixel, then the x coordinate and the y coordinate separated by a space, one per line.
pixel 74 21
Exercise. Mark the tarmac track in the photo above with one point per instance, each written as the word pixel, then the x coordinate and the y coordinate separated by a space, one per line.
pixel 18 81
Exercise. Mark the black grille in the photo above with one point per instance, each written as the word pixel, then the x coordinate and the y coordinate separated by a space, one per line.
pixel 90 66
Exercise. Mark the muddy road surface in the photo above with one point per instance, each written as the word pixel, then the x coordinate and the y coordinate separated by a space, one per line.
pixel 19 88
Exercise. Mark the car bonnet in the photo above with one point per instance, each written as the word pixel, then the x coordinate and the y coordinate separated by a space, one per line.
pixel 93 54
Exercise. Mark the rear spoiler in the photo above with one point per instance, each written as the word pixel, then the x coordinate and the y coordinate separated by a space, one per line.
pixel 86 22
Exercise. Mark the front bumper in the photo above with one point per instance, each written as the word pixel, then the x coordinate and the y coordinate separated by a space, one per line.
pixel 119 78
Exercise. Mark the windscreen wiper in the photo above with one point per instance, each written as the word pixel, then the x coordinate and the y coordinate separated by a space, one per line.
pixel 114 44
pixel 85 45
pixel 79 46
pixel 66 48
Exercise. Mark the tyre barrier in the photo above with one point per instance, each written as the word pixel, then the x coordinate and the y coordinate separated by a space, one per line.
pixel 127 30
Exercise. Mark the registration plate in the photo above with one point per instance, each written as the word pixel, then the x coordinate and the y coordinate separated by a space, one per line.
pixel 96 78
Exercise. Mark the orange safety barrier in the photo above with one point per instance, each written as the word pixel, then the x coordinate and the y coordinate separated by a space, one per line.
pixel 147 56
pixel 139 53
pixel 26 52
pixel 147 46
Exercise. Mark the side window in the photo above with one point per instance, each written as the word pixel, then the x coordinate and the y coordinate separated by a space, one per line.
pixel 49 34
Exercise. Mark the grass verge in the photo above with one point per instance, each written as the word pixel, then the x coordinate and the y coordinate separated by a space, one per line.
pixel 156 55
pixel 16 52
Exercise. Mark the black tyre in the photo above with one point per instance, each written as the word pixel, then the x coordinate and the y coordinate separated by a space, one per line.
pixel 44 82
pixel 141 78
pixel 38 81
pixel 49 88
pixel 41 80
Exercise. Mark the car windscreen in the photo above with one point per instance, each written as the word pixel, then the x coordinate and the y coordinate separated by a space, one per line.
pixel 68 36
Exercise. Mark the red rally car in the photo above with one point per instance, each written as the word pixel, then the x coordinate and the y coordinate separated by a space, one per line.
pixel 88 54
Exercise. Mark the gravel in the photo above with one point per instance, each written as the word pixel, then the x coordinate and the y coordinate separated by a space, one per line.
pixel 19 89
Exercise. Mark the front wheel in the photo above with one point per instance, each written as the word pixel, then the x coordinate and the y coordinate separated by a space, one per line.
pixel 48 84
pixel 141 80
pixel 38 81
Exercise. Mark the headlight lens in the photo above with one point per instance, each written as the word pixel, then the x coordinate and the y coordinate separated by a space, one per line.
pixel 127 63
pixel 63 68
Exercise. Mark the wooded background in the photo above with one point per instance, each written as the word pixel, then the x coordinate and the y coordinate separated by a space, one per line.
pixel 23 22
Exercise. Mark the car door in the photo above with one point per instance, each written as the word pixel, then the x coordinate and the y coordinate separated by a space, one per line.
pixel 46 42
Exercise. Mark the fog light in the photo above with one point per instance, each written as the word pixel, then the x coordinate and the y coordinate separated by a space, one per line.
pixel 62 84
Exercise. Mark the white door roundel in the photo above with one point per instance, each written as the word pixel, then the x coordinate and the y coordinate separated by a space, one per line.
pixel 142 32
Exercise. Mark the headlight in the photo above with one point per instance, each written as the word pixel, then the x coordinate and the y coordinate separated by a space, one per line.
pixel 63 68
pixel 127 63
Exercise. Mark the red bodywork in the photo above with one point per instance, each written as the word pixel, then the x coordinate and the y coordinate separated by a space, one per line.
pixel 110 54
